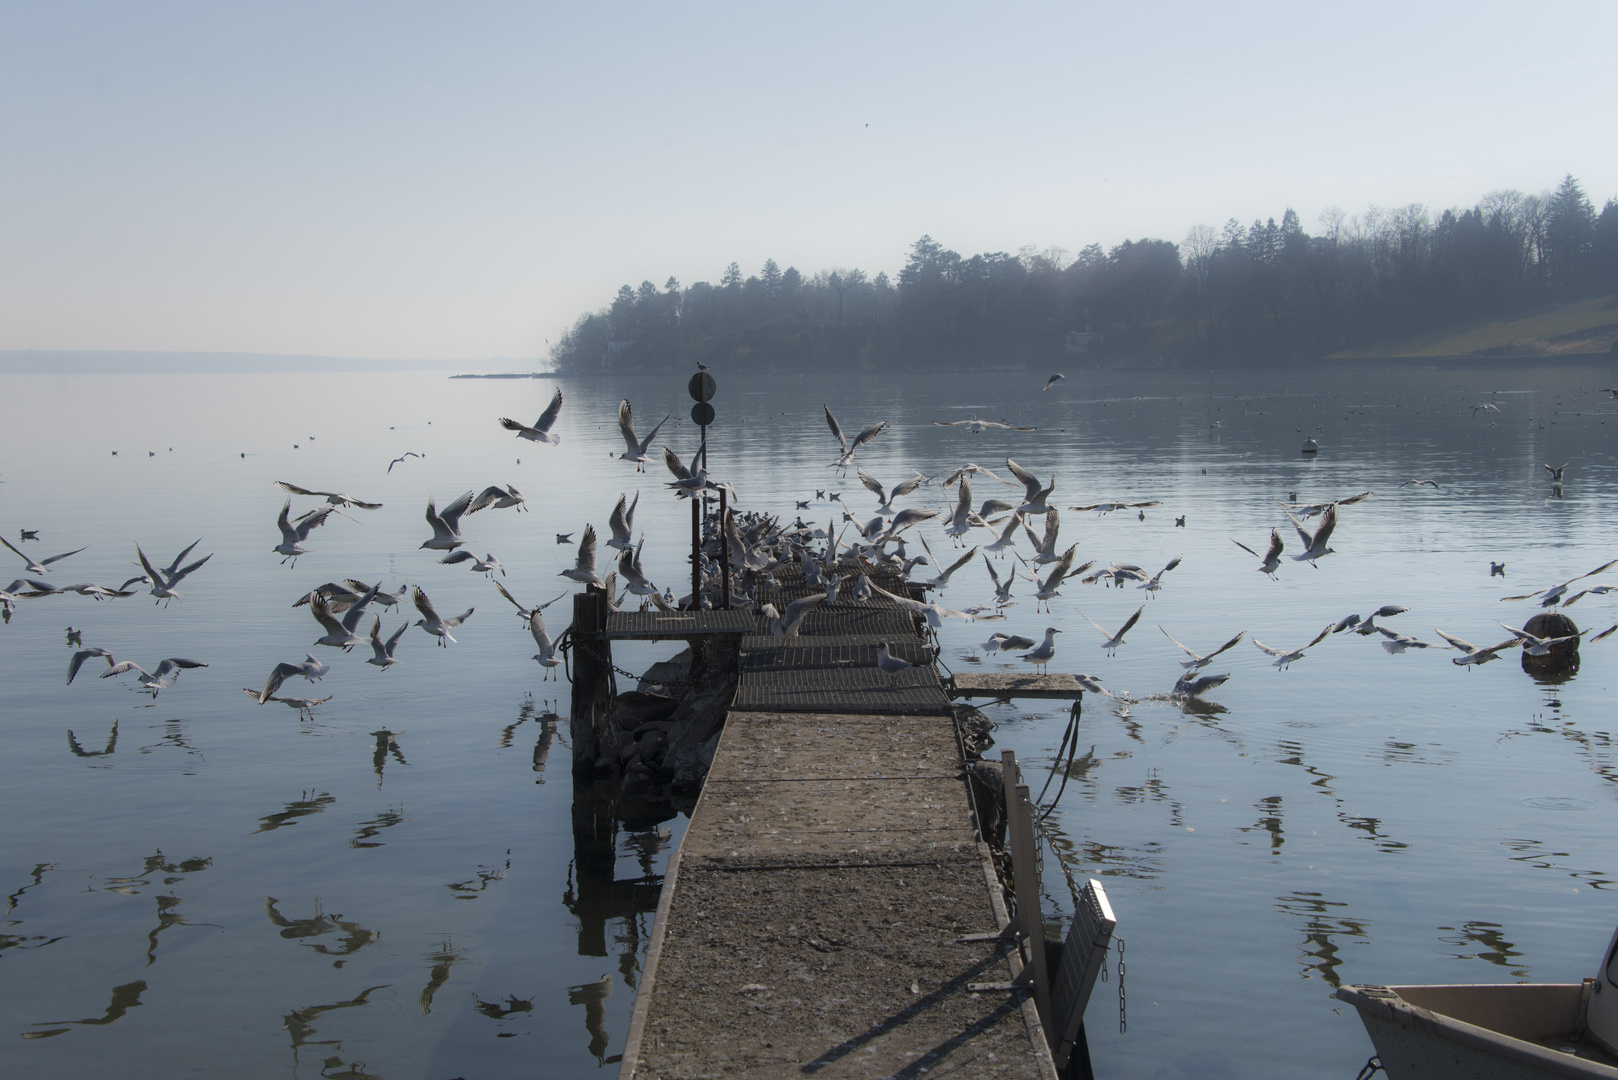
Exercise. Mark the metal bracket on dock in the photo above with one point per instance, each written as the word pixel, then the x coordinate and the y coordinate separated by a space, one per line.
pixel 1024 981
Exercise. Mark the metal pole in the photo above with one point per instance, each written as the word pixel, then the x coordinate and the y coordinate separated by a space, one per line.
pixel 724 548
pixel 696 554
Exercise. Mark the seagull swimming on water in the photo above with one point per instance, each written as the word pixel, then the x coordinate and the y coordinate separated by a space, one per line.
pixel 541 431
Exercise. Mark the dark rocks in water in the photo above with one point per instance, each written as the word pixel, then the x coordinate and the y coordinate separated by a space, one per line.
pixel 1562 661
pixel 975 729
pixel 636 708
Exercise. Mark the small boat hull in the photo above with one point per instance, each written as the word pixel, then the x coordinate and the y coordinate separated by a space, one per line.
pixel 1510 1031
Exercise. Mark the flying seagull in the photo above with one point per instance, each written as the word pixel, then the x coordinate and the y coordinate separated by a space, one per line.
pixel 1114 640
pixel 39 567
pixel 541 431
pixel 430 620
pixel 1201 660
pixel 334 498
pixel 636 451
pixel 1285 657
pixel 1052 381
pixel 1271 558
pixel 846 446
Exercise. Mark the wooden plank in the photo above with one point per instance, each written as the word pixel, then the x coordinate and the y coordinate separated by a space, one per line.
pixel 973 684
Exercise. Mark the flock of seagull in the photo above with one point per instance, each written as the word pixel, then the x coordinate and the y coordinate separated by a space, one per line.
pixel 841 561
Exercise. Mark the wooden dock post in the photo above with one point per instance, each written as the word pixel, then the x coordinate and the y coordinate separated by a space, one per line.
pixel 1025 871
pixel 592 669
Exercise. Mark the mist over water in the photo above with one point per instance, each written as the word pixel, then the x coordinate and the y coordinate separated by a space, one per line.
pixel 405 886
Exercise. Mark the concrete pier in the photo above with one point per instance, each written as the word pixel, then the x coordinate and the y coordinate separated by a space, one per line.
pixel 808 924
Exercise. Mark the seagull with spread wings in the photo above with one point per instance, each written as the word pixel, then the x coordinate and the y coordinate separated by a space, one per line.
pixel 1471 655
pixel 847 446
pixel 39 567
pixel 163 583
pixel 1271 559
pixel 976 427
pixel 636 451
pixel 1315 542
pixel 430 620
pixel 1114 640
pixel 160 678
pixel 584 566
pixel 1198 660
pixel 885 497
pixel 334 498
pixel 541 431
pixel 1035 496
pixel 1285 657
pixel 446 524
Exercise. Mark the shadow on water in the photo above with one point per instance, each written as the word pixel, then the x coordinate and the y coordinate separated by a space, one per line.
pixel 300 1025
pixel 607 827
pixel 79 751
pixel 354 936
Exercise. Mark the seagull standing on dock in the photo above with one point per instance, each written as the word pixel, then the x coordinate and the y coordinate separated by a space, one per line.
pixel 891 665
pixel 1041 654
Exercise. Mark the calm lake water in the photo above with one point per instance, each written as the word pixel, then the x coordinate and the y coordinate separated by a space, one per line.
pixel 202 886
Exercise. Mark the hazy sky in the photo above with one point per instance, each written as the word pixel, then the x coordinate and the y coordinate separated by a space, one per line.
pixel 462 180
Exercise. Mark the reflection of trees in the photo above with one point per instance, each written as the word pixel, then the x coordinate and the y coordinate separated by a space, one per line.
pixel 300 1025
pixel 302 807
pixel 79 751
pixel 354 936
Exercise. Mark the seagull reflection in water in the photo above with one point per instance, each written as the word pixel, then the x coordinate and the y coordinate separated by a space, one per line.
pixel 79 751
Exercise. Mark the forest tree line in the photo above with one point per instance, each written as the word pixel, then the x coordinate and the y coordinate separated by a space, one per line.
pixel 1265 292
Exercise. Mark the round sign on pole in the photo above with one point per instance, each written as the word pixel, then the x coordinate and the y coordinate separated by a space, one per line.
pixel 702 389
pixel 702 412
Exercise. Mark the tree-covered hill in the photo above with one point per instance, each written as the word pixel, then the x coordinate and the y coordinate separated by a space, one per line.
pixel 1267 293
